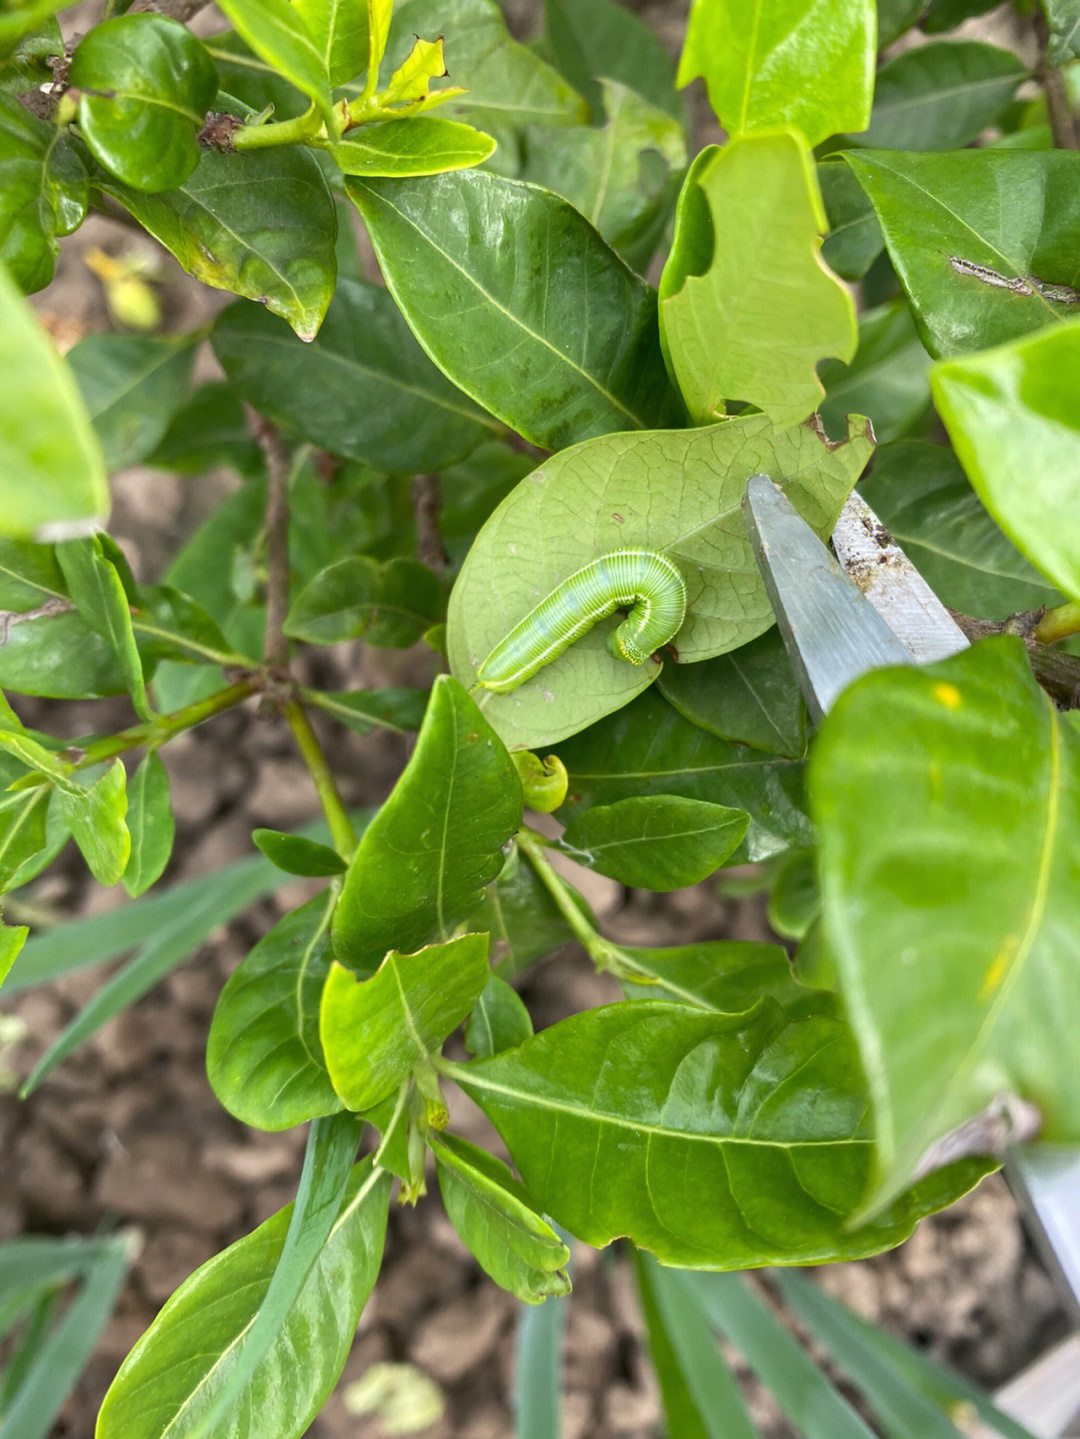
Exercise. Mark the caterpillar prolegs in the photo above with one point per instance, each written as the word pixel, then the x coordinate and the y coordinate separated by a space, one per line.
pixel 645 581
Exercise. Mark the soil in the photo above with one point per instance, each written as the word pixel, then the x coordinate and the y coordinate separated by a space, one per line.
pixel 127 1131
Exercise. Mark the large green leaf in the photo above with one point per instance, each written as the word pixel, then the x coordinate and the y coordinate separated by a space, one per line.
pixel 43 193
pixel 941 96
pixel 420 145
pixel 971 232
pixel 145 86
pixel 715 1141
pixel 806 63
pixel 363 388
pixel 593 38
pixel 954 924
pixel 263 1055
pixel 749 695
pixel 679 492
pixel 339 29
pixel 277 32
pixel 375 1030
pixel 262 225
pixel 507 82
pixel 658 842
pixel 1011 414
pixel 920 492
pixel 437 841
pixel 515 296
pixel 132 386
pixel 648 748
pixel 622 176
pixel 887 380
pixel 169 1380
pixel 492 1214
pixel 747 308
pixel 52 475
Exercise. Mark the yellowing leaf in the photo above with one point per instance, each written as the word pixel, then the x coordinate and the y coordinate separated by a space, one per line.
pixel 412 80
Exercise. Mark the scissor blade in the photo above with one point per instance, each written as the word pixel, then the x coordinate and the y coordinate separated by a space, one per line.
pixel 873 560
pixel 832 635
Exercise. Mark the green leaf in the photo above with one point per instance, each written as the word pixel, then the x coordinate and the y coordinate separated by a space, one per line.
pixel 701 1399
pixel 543 781
pixel 807 1396
pixel 499 1020
pixel 12 939
pixel 28 68
pixel 496 1222
pixel 948 14
pixel 391 604
pixel 784 62
pixel 339 29
pixel 521 917
pixel 264 1056
pixel 132 386
pixel 14 24
pixel 375 1030
pixel 598 38
pixel 188 1351
pixel 1063 23
pixel 854 240
pixel 601 496
pixel 794 902
pixel 648 748
pixel 95 816
pixel 508 83
pixel 207 430
pixel 762 1114
pixel 660 842
pixel 22 831
pixel 747 309
pixel 98 594
pixel 623 177
pixel 419 145
pixel 328 1166
pixel 538 1386
pixel 170 626
pixel 437 841
pixel 296 855
pixel 725 976
pixel 63 1356
pixel 151 825
pixel 961 908
pixel 52 476
pixel 941 96
pixel 1011 417
pixel 43 193
pixel 363 389
pixel 887 380
pixel 749 695
pixel 939 212
pixel 261 224
pixel 554 366
pixel 366 710
pixel 895 17
pixel 276 31
pixel 146 84
pixel 921 493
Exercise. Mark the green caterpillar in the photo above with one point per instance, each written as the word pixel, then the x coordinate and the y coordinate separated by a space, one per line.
pixel 646 581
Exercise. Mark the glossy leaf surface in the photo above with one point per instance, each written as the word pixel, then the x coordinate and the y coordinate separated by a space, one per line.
pixel 276 31
pixel 805 63
pixel 437 841
pixel 679 492
pixel 51 463
pixel 953 924
pixel 661 842
pixel 374 1031
pixel 146 84
pixel 921 493
pixel 264 1056
pixel 169 1378
pixel 854 240
pixel 422 145
pixel 705 1134
pixel 151 825
pixel 725 976
pixel 363 389
pixel 296 855
pixel 747 308
pixel 261 225
pixel 43 193
pixel 339 29
pixel 490 275
pixel 1012 417
pixel 391 604
pixel 1011 214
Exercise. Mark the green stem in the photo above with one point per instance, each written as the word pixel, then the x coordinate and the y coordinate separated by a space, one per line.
pixel 1059 623
pixel 298 131
pixel 604 954
pixel 341 829
pixel 164 727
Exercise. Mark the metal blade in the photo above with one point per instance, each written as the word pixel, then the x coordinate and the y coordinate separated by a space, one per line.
pixel 832 635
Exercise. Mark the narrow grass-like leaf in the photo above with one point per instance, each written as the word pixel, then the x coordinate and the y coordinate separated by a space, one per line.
pixel 538 1383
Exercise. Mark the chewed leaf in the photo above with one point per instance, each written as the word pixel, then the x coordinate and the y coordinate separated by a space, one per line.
pixel 412 81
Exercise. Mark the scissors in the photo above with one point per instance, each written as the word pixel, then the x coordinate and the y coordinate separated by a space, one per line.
pixel 854 608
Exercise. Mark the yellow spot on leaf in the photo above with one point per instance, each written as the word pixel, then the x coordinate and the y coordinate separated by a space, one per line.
pixel 999 966
pixel 948 694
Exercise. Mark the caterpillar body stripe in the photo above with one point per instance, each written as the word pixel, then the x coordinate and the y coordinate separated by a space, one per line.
pixel 645 581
